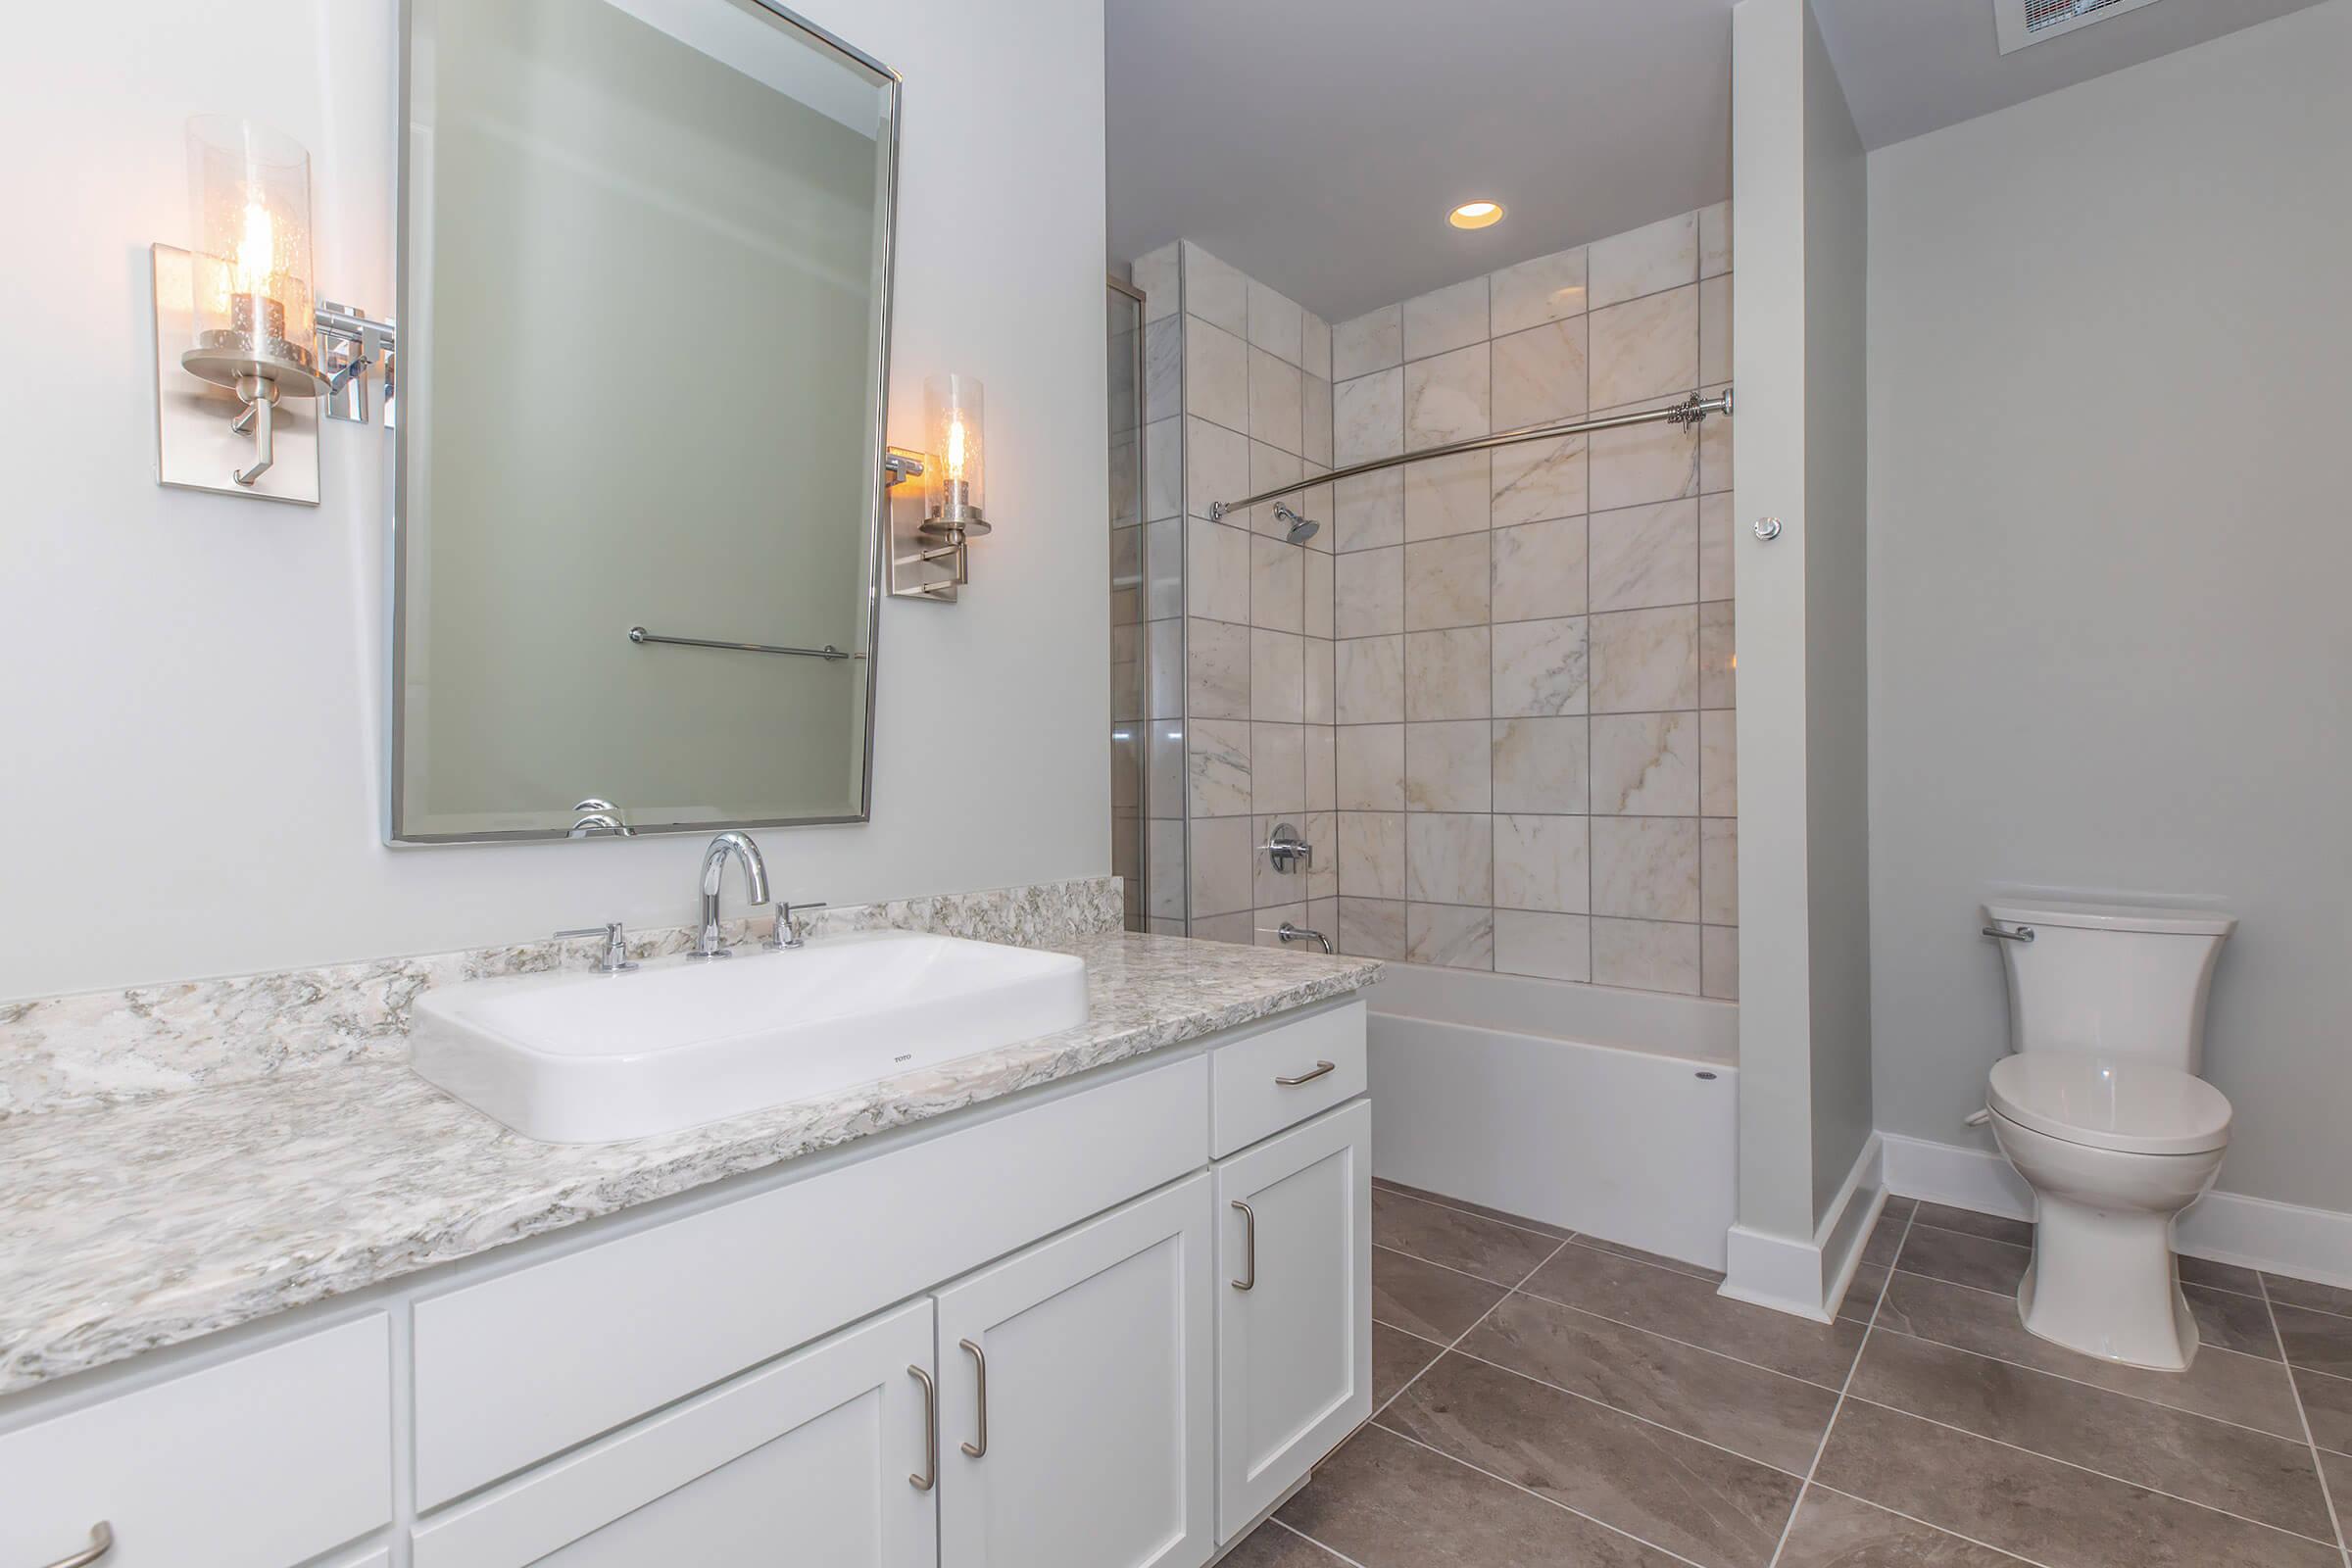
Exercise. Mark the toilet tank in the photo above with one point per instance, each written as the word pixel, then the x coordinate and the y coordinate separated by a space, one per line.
pixel 2111 977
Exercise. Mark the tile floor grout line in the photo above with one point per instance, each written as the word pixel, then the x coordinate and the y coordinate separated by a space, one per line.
pixel 1945 1530
pixel 1508 1291
pixel 1393 1191
pixel 1398 1328
pixel 2101 1388
pixel 1336 1553
pixel 1796 1507
pixel 2335 1517
pixel 1594 1243
pixel 1383 1247
pixel 1635 1415
pixel 2109 1475
pixel 1688 1344
pixel 1455 1458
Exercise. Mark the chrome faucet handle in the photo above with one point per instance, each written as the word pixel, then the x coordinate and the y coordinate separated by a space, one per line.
pixel 1287 848
pixel 614 959
pixel 599 817
pixel 787 936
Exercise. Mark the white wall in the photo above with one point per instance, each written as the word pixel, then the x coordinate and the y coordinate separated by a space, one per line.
pixel 2109 548
pixel 194 699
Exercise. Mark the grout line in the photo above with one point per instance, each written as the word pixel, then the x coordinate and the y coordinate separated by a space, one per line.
pixel 1843 1388
pixel 1929 1524
pixel 1275 1519
pixel 1457 1207
pixel 1688 1344
pixel 2336 1514
pixel 1508 1291
pixel 1455 1458
pixel 2101 1388
pixel 1499 1285
pixel 2093 1470
pixel 1596 1244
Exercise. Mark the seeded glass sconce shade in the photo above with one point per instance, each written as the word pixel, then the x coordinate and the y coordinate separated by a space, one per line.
pixel 954 474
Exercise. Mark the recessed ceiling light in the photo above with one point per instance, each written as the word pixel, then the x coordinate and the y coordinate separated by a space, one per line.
pixel 1475 215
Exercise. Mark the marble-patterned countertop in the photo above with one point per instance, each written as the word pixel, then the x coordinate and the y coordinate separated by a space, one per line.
pixel 127 1227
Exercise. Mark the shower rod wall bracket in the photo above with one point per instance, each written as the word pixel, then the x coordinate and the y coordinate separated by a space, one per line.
pixel 1685 415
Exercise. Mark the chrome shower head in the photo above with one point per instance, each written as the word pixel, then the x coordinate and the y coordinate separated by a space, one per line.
pixel 1301 528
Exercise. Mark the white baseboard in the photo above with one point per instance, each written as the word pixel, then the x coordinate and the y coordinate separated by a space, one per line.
pixel 2311 1244
pixel 1808 1278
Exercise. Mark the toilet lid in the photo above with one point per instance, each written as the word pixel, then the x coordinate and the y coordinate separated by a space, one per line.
pixel 2106 1101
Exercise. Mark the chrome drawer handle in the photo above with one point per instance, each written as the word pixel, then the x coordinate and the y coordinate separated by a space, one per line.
pixel 1321 1067
pixel 102 1541
pixel 1250 1218
pixel 980 1365
pixel 930 1475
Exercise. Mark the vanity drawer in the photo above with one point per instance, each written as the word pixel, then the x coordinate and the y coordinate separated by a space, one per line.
pixel 263 1461
pixel 1323 1056
pixel 523 1364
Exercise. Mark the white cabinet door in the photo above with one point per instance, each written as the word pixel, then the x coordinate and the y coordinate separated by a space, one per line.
pixel 1293 1307
pixel 1076 1397
pixel 828 1456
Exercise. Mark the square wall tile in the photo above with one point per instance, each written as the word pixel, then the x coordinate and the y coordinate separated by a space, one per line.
pixel 1163 370
pixel 1320 704
pixel 1367 593
pixel 1368 511
pixel 1718 665
pixel 1549 288
pixel 1372 928
pixel 1316 574
pixel 1269 922
pixel 1322 833
pixel 1551 946
pixel 1446 674
pixel 1238 928
pixel 1539 571
pixel 1370 764
pixel 1163 768
pixel 1647 956
pixel 1644 462
pixel 1446 496
pixel 1644 261
pixel 1450 857
pixel 1539 375
pixel 1445 582
pixel 1540 480
pixel 1277 586
pixel 1645 348
pixel 1715 441
pixel 1645 765
pixel 1277 411
pixel 1371 855
pixel 1449 936
pixel 1278 769
pixel 1153 274
pixel 1715 577
pixel 1370 675
pixel 1718 763
pixel 1165 676
pixel 1540 667
pixel 1367 416
pixel 1715 329
pixel 1216 465
pixel 1163 569
pixel 1322 748
pixel 1448 767
pixel 1277 324
pixel 1216 378
pixel 1646 660
pixel 1218 655
pixel 1541 765
pixel 1374 341
pixel 1719 962
pixel 1647 868
pixel 1277 676
pixel 1164 468
pixel 1449 318
pixel 1645 556
pixel 1218 766
pixel 1715 239
pixel 1314 417
pixel 1220 867
pixel 1219 571
pixel 1270 466
pixel 1445 398
pixel 1542 862
pixel 1314 345
pixel 1215 292
pixel 1164 887
pixel 1719 871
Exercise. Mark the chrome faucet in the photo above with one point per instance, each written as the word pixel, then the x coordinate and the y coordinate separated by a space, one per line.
pixel 714 869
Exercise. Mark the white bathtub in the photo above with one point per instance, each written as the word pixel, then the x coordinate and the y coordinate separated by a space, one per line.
pixel 1612 1112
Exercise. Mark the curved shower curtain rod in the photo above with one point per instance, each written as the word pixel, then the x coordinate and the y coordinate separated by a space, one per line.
pixel 1690 411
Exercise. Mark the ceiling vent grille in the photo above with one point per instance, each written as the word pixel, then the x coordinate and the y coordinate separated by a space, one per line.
pixel 2020 23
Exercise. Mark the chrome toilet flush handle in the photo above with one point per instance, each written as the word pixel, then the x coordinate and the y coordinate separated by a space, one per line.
pixel 2024 933
pixel 102 1541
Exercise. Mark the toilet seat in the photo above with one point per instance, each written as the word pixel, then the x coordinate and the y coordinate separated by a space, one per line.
pixel 2105 1101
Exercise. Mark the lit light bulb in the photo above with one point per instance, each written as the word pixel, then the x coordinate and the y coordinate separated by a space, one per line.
pixel 257 251
pixel 955 450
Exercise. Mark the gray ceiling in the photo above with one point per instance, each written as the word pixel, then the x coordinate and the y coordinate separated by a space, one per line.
pixel 1318 144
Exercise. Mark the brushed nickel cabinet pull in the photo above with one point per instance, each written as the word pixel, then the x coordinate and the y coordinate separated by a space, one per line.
pixel 980 1367
pixel 930 1473
pixel 1321 1067
pixel 1250 1241
pixel 102 1541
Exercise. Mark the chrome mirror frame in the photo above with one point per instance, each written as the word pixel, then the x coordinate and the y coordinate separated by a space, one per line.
pixel 877 515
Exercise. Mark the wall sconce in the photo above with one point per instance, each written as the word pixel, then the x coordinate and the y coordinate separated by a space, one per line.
pixel 238 311
pixel 930 550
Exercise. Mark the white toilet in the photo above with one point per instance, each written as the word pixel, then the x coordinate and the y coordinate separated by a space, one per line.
pixel 2101 1112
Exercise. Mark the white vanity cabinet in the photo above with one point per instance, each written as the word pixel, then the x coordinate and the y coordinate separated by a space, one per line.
pixel 1077 1399
pixel 1293 1307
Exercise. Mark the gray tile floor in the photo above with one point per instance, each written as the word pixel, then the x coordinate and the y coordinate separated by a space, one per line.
pixel 1543 1398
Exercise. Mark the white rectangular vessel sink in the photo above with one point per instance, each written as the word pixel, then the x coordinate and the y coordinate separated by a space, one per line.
pixel 582 1058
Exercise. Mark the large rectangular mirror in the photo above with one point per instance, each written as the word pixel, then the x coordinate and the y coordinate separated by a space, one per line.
pixel 644 332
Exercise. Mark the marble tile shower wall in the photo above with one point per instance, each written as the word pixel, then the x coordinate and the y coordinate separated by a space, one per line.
pixel 1237 620
pixel 1532 675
